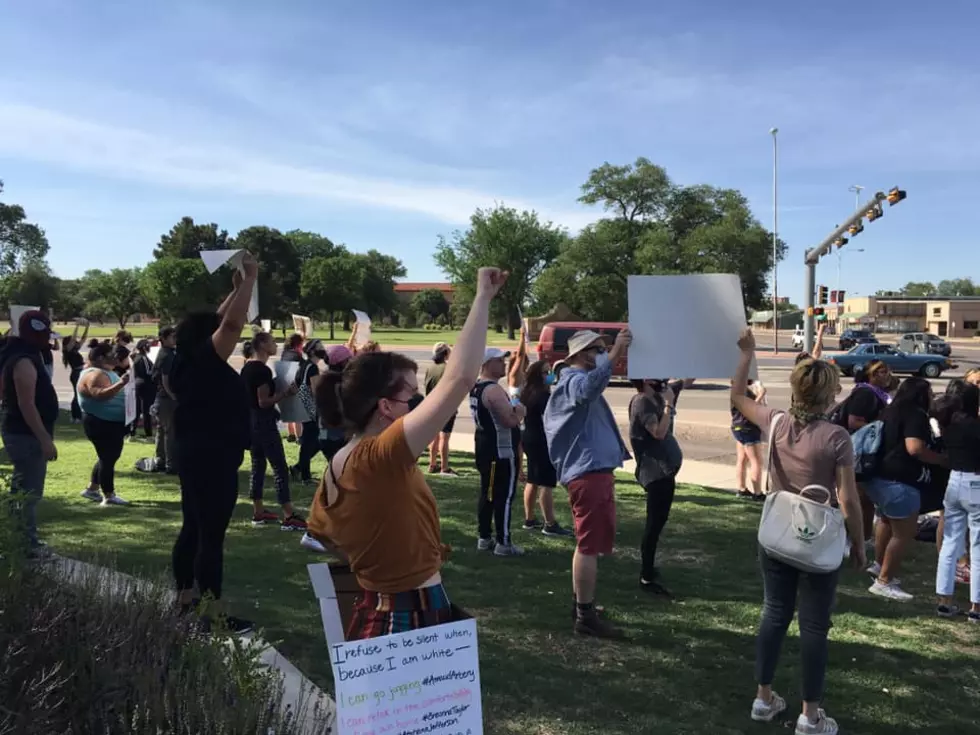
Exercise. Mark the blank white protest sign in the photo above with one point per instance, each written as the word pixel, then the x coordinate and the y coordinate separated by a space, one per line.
pixel 685 326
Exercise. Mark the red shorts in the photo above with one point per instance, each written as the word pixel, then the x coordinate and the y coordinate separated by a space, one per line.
pixel 593 501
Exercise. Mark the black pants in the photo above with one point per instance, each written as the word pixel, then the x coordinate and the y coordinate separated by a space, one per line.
pixel 107 437
pixel 146 394
pixel 816 592
pixel 498 484
pixel 660 497
pixel 208 492
pixel 267 450
pixel 76 410
pixel 309 445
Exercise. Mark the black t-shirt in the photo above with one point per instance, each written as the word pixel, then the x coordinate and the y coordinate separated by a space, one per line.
pixel 75 359
pixel 897 464
pixel 863 403
pixel 256 374
pixel 962 440
pixel 212 404
pixel 534 436
pixel 655 458
pixel 163 366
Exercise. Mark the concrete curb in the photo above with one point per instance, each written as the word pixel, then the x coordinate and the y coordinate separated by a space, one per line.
pixel 299 695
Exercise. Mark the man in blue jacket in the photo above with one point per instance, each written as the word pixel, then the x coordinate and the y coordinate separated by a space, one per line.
pixel 585 446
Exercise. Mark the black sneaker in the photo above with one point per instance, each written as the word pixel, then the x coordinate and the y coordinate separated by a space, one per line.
pixel 745 495
pixel 599 610
pixel 556 529
pixel 532 525
pixel 948 611
pixel 759 497
pixel 591 624
pixel 973 617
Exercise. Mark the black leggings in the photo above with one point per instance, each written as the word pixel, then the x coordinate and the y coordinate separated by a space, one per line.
pixel 107 437
pixel 498 484
pixel 76 410
pixel 660 497
pixel 146 395
pixel 208 492
pixel 309 445
pixel 267 449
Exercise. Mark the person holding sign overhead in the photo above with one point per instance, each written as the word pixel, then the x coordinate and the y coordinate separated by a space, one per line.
pixel 585 446
pixel 373 503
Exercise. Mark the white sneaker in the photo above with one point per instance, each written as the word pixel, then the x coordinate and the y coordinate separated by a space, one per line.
pixel 874 569
pixel 308 542
pixel 767 712
pixel 891 591
pixel 508 550
pixel 823 726
pixel 485 544
pixel 113 500
pixel 94 495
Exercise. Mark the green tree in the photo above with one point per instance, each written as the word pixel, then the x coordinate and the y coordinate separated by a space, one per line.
pixel 633 193
pixel 429 301
pixel 33 285
pixel 311 245
pixel 22 243
pixel 187 240
pixel 115 294
pixel 332 286
pixel 378 285
pixel 503 237
pixel 918 289
pixel 957 287
pixel 68 302
pixel 279 270
pixel 173 287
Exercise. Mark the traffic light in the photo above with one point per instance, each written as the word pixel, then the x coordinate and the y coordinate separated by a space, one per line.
pixel 833 297
pixel 856 229
pixel 895 195
pixel 822 295
pixel 841 242
pixel 818 311
pixel 874 213
pixel 840 297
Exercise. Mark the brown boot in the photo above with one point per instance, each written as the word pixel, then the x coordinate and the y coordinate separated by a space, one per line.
pixel 589 623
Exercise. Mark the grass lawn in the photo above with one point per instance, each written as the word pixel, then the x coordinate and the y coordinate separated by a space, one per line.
pixel 688 668
pixel 386 336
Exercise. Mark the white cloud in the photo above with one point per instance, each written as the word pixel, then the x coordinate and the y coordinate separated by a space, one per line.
pixel 38 134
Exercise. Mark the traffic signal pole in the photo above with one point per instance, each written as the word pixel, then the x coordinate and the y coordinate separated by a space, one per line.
pixel 813 256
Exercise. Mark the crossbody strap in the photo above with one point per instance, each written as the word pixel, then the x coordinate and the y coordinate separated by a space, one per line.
pixel 772 433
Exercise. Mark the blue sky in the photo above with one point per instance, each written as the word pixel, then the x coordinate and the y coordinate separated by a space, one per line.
pixel 384 124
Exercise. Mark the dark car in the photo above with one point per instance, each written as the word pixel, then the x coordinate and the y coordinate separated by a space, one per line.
pixel 929 366
pixel 851 337
pixel 924 343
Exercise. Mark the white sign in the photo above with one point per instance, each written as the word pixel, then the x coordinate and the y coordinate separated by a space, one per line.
pixel 16 311
pixel 129 392
pixel 266 325
pixel 291 409
pixel 214 259
pixel 326 594
pixel 363 328
pixel 303 325
pixel 685 326
pixel 423 681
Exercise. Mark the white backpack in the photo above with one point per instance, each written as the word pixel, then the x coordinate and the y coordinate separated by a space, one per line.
pixel 805 533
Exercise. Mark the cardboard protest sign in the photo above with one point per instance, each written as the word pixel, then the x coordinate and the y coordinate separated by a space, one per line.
pixel 423 681
pixel 129 392
pixel 685 326
pixel 214 259
pixel 363 328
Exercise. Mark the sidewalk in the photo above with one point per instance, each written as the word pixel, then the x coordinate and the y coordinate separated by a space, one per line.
pixel 693 472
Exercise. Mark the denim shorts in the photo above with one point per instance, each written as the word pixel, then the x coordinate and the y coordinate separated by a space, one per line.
pixel 747 437
pixel 893 499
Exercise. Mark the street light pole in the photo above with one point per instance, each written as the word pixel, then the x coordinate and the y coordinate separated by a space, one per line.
pixel 857 189
pixel 775 230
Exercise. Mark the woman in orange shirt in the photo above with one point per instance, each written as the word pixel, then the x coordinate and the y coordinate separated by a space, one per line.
pixel 374 504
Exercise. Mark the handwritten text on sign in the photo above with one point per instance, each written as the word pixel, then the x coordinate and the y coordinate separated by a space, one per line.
pixel 426 682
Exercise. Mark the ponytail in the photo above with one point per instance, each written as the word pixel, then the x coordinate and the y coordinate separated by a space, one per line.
pixel 329 404
pixel 248 349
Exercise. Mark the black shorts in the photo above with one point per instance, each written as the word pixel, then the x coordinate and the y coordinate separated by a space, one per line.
pixel 448 428
pixel 540 470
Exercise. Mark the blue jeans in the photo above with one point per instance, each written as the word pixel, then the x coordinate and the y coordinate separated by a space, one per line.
pixel 893 499
pixel 962 517
pixel 27 480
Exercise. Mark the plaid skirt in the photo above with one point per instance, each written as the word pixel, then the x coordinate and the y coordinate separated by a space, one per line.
pixel 377 614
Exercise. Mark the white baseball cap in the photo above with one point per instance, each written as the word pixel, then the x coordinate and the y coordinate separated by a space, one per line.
pixel 494 353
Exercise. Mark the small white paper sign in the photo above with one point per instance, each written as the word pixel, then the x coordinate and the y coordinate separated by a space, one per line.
pixel 266 325
pixel 16 311
pixel 326 594
pixel 685 326
pixel 129 392
pixel 363 328
pixel 214 259
pixel 424 681
pixel 291 408
pixel 303 325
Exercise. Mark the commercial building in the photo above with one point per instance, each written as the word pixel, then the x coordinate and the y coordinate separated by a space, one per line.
pixel 406 291
pixel 946 317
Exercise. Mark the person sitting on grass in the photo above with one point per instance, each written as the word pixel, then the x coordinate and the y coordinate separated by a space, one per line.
pixel 807 450
pixel 373 503
pixel 103 404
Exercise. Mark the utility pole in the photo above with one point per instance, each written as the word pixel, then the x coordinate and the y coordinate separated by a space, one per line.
pixel 775 239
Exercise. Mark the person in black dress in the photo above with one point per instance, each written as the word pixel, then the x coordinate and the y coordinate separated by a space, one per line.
pixel 541 475
pixel 74 361
pixel 146 390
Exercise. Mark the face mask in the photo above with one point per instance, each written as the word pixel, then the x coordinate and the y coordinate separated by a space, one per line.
pixel 549 379
pixel 602 360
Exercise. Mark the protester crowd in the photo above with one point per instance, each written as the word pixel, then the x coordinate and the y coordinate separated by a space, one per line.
pixel 866 468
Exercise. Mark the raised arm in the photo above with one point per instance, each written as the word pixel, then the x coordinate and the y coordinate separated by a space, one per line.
pixel 754 412
pixel 352 340
pixel 818 342
pixel 587 388
pixel 425 422
pixel 234 310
